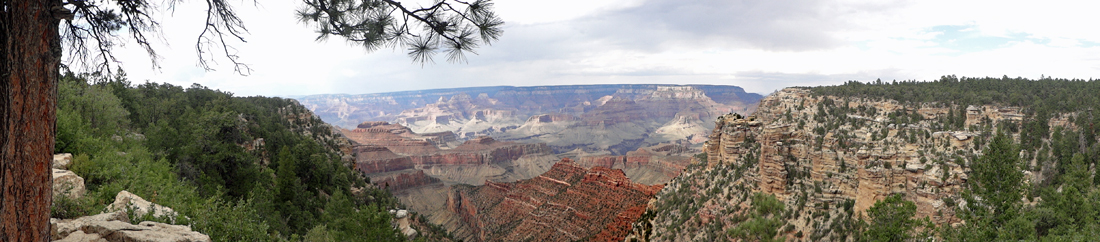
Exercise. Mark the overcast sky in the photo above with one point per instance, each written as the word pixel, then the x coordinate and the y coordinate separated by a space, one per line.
pixel 761 45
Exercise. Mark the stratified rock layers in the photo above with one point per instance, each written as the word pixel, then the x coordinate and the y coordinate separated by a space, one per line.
pixel 595 118
pixel 567 203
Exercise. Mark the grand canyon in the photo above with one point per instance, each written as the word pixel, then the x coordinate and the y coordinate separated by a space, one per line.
pixel 642 163
pixel 454 155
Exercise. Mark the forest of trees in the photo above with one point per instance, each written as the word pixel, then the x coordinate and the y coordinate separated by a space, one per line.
pixel 197 150
pixel 1001 204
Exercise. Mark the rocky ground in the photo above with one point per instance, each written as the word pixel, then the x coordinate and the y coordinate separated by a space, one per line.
pixel 120 222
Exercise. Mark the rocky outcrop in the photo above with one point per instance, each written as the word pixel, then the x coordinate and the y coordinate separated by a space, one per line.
pixel 402 223
pixel 567 203
pixel 126 201
pixel 65 182
pixel 115 225
pixel 828 159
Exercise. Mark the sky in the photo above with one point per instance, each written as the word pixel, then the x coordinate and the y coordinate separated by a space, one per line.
pixel 760 45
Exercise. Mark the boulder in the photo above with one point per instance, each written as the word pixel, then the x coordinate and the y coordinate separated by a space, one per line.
pixel 114 225
pixel 62 161
pixel 119 231
pixel 63 228
pixel 67 183
pixel 140 206
pixel 154 231
pixel 80 236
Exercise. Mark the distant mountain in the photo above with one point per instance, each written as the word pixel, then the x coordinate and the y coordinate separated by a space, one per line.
pixel 593 118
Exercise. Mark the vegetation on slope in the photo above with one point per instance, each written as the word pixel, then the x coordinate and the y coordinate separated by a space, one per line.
pixel 237 169
pixel 1000 204
pixel 1031 179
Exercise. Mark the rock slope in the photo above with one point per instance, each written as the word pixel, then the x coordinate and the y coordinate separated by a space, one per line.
pixel 567 203
pixel 827 159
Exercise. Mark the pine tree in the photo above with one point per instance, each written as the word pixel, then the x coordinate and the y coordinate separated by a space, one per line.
pixel 31 50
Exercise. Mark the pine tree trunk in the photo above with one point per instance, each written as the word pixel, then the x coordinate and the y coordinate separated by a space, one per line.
pixel 30 51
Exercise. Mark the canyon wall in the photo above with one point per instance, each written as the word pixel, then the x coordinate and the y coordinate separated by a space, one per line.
pixel 567 203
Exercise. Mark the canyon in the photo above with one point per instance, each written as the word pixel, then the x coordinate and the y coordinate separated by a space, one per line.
pixel 427 173
pixel 594 118
pixel 567 203
pixel 439 158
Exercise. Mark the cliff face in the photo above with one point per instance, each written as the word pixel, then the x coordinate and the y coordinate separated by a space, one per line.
pixel 567 203
pixel 420 168
pixel 827 159
pixel 486 151
pixel 647 165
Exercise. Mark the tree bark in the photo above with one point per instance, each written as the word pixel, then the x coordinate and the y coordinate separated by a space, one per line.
pixel 30 52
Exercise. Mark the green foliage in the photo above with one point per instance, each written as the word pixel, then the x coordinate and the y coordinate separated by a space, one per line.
pixel 65 207
pixel 891 219
pixel 996 181
pixel 764 222
pixel 701 157
pixel 199 151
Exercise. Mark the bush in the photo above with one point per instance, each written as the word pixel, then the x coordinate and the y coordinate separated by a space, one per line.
pixel 65 207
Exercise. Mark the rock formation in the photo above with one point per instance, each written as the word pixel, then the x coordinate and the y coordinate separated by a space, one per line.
pixel 647 165
pixel 62 161
pixel 567 203
pixel 827 159
pixel 67 183
pixel 401 222
pixel 126 201
pixel 115 225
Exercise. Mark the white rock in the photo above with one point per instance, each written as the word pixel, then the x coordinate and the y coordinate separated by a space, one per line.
pixel 114 227
pixel 62 228
pixel 912 166
pixel 62 161
pixel 80 236
pixel 140 206
pixel 67 183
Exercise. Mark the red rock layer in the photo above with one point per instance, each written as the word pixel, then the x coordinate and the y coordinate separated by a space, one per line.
pixel 566 203
pixel 404 180
pixel 485 150
pixel 665 162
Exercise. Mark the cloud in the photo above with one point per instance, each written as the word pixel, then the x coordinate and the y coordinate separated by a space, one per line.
pixel 757 44
pixel 773 25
